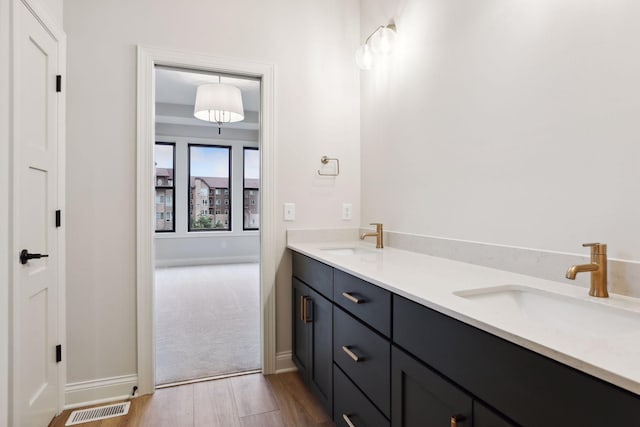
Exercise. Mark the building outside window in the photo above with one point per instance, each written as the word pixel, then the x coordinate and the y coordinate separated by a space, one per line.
pixel 164 157
pixel 209 172
pixel 251 189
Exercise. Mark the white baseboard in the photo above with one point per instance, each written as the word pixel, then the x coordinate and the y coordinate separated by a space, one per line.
pixel 85 393
pixel 185 262
pixel 284 363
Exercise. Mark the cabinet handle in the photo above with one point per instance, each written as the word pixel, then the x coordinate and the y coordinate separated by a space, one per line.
pixel 351 298
pixel 351 354
pixel 305 310
pixel 455 419
pixel 302 304
pixel 346 419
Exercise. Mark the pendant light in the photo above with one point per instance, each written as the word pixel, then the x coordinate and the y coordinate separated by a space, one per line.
pixel 218 103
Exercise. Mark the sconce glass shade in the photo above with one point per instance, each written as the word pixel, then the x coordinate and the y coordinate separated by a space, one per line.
pixel 382 41
pixel 364 58
pixel 218 103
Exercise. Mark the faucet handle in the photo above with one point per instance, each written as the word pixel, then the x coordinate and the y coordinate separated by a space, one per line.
pixel 596 248
pixel 377 224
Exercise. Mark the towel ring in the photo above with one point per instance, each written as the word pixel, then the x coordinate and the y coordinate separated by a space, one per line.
pixel 325 160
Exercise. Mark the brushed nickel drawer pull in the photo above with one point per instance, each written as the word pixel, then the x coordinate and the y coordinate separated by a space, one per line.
pixel 351 298
pixel 346 419
pixel 351 354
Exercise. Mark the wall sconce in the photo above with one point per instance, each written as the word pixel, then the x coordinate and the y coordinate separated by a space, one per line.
pixel 380 42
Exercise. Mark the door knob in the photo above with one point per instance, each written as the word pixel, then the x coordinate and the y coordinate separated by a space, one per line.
pixel 25 256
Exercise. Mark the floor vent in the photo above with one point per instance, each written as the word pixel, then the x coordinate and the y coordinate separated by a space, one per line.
pixel 99 413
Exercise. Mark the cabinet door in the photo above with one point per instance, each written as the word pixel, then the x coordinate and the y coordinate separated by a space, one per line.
pixel 320 317
pixel 485 417
pixel 422 398
pixel 301 331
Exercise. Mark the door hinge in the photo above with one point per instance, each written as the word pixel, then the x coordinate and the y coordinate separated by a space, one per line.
pixel 58 218
pixel 59 353
pixel 58 83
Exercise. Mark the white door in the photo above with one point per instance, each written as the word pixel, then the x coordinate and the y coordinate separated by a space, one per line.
pixel 35 198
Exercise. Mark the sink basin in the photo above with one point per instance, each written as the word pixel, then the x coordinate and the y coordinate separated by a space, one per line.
pixel 560 313
pixel 347 251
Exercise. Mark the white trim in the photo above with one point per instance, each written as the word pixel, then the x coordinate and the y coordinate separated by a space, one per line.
pixel 85 393
pixel 284 362
pixel 147 58
pixel 55 30
pixel 186 262
pixel 5 186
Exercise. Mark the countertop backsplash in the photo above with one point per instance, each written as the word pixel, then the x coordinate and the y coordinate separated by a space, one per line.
pixel 624 276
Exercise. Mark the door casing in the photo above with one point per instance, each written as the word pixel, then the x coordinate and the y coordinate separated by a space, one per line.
pixel 148 58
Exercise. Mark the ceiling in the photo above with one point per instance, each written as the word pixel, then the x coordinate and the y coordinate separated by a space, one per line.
pixel 178 87
pixel 174 86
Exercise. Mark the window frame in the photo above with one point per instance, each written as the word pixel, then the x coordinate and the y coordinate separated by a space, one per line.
pixel 229 149
pixel 167 187
pixel 244 206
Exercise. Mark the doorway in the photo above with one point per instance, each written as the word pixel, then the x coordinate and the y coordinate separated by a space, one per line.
pixel 207 230
pixel 148 58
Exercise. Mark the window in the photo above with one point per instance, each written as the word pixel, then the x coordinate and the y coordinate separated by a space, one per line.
pixel 209 172
pixel 251 189
pixel 164 158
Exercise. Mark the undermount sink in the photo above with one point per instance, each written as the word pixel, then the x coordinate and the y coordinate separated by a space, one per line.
pixel 347 251
pixel 560 313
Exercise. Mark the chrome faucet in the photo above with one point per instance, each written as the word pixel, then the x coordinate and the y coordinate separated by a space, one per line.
pixel 377 234
pixel 597 267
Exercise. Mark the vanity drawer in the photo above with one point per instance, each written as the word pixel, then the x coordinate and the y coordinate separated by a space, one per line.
pixel 364 356
pixel 368 302
pixel 350 401
pixel 314 273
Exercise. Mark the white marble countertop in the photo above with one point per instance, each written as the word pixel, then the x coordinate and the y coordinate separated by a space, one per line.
pixel 613 356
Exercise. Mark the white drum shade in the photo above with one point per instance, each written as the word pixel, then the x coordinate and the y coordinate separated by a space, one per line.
pixel 219 103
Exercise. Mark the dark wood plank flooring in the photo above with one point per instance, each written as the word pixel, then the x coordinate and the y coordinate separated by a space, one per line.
pixel 244 401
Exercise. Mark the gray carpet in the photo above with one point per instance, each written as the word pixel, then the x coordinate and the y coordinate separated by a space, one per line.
pixel 207 321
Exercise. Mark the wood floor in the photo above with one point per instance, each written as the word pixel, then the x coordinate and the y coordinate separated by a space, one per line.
pixel 245 401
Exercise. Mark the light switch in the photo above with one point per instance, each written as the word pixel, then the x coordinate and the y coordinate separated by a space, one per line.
pixel 347 211
pixel 289 211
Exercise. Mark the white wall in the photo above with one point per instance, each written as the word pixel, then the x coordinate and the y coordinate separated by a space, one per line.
pixel 317 112
pixel 509 122
pixel 206 247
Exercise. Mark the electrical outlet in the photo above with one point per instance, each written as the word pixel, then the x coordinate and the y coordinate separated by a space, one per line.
pixel 347 211
pixel 289 211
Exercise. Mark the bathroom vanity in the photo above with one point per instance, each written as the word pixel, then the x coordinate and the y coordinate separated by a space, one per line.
pixel 394 338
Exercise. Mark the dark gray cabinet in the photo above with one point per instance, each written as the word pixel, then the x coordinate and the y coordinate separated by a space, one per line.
pixel 364 356
pixel 422 398
pixel 528 388
pixel 312 340
pixel 352 406
pixel 485 417
pixel 376 359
